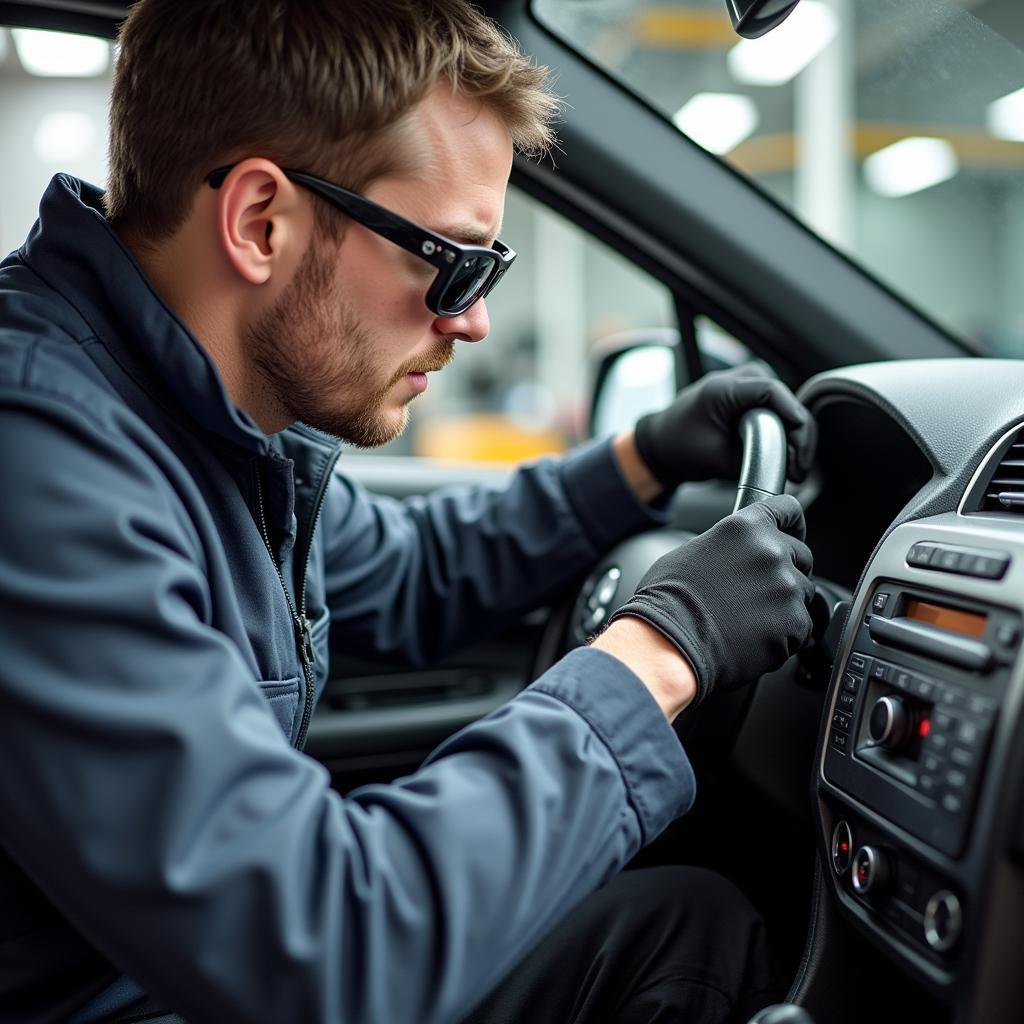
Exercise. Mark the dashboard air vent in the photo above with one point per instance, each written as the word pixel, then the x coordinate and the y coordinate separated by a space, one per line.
pixel 1005 491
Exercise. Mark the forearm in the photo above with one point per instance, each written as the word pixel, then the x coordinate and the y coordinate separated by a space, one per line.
pixel 412 581
pixel 655 660
pixel 634 470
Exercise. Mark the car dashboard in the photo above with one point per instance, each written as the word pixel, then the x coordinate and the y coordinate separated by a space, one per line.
pixel 917 505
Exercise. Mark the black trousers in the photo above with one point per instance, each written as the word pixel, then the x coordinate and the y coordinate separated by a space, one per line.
pixel 653 946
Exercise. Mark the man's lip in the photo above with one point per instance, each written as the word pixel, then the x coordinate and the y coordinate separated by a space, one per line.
pixel 418 380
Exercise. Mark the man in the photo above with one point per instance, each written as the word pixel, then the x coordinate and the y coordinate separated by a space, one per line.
pixel 175 547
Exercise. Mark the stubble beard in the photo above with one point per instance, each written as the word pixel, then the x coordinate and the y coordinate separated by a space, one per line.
pixel 316 361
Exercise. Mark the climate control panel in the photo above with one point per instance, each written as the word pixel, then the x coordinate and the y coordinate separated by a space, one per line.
pixel 923 906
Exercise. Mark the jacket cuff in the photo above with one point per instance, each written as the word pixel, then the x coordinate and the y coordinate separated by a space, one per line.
pixel 659 780
pixel 603 502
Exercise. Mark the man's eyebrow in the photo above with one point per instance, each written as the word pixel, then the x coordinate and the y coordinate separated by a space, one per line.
pixel 467 234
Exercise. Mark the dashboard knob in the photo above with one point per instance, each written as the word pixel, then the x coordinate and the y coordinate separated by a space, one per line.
pixel 842 847
pixel 943 921
pixel 889 724
pixel 871 872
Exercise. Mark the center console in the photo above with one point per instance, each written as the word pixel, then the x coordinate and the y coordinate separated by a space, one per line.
pixel 908 776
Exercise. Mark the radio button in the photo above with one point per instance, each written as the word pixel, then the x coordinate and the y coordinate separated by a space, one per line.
pixel 839 740
pixel 932 763
pixel 902 680
pixel 956 779
pixel 880 671
pixel 920 554
pixel 928 784
pixel 858 663
pixel 988 567
pixel 952 803
pixel 968 734
pixel 982 706
pixel 947 559
pixel 941 722
pixel 952 699
pixel 851 683
pixel 847 701
pixel 923 688
pixel 880 601
pixel 962 758
pixel 938 742
pixel 841 721
pixel 1007 634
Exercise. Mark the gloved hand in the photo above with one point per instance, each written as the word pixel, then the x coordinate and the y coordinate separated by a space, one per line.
pixel 697 437
pixel 735 599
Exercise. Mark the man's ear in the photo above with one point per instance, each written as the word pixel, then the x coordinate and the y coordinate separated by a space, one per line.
pixel 260 219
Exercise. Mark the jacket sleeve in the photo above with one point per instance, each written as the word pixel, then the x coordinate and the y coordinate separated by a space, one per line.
pixel 414 580
pixel 150 793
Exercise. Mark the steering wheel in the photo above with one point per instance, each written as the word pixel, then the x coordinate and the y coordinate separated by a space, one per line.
pixel 615 577
pixel 763 471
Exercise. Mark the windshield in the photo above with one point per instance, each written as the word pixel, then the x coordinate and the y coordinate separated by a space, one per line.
pixel 893 128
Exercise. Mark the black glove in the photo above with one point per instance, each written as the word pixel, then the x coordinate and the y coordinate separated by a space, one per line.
pixel 735 599
pixel 697 437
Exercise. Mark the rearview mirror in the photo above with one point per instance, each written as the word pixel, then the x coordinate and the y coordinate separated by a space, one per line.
pixel 753 18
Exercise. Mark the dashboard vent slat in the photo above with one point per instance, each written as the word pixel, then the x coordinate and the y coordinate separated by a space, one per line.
pixel 1004 490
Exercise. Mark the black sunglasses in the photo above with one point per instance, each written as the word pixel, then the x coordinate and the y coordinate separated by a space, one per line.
pixel 465 273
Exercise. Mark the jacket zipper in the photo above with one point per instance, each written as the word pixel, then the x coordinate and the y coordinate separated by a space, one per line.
pixel 300 623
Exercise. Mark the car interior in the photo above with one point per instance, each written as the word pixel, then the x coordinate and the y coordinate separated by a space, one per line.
pixel 868 797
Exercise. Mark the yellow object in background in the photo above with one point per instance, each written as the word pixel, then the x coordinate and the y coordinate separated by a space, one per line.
pixel 484 437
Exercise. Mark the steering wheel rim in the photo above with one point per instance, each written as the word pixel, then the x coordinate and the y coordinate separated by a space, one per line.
pixel 763 471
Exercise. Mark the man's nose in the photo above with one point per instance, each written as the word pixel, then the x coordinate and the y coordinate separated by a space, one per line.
pixel 473 325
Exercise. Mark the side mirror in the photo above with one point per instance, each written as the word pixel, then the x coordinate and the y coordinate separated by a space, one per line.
pixel 637 372
pixel 753 18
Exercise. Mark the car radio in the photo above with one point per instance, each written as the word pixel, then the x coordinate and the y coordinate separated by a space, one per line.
pixel 918 698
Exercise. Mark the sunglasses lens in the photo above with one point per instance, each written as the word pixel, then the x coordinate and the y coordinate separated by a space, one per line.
pixel 467 283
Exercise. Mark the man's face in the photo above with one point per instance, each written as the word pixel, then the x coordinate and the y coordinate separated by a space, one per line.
pixel 348 345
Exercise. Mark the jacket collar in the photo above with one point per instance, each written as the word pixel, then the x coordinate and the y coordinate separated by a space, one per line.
pixel 75 251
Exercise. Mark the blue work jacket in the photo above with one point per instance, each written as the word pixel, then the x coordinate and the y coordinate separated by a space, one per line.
pixel 170 581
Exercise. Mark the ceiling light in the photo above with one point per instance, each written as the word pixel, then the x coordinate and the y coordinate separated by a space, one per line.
pixel 60 54
pixel 718 121
pixel 782 54
pixel 910 165
pixel 1005 117
pixel 64 135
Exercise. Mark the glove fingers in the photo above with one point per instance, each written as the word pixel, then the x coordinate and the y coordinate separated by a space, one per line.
pixel 803 441
pixel 802 557
pixel 787 513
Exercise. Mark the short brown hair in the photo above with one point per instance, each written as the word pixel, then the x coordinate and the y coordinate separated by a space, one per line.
pixel 203 82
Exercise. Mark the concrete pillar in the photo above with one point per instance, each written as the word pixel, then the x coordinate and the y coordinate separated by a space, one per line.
pixel 824 118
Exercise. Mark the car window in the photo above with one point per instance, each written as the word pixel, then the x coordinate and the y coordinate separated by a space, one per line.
pixel 894 128
pixel 522 393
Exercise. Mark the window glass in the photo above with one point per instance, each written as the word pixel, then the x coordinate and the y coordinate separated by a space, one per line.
pixel 718 348
pixel 894 128
pixel 50 120
pixel 521 393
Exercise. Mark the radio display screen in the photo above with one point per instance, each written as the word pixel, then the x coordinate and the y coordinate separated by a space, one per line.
pixel 952 619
